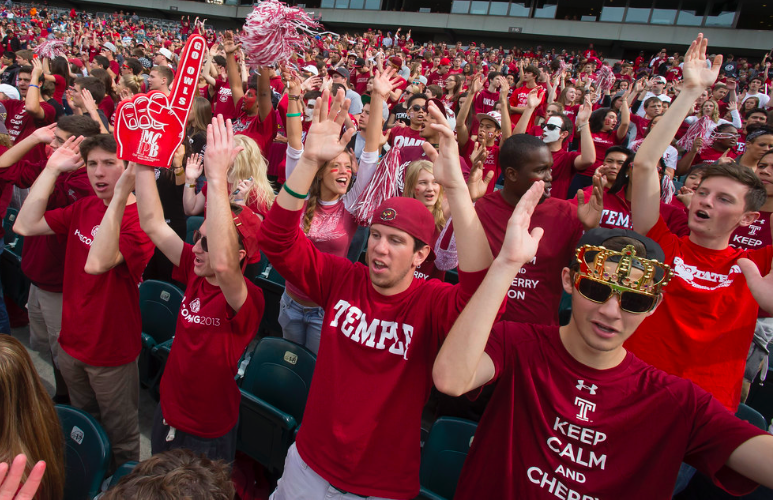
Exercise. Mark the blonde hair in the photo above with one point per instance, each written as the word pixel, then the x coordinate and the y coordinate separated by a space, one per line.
pixel 250 163
pixel 412 172
pixel 132 83
pixel 28 422
pixel 714 114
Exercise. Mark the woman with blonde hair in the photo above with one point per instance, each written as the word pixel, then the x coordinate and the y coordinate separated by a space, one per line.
pixel 421 185
pixel 247 180
pixel 28 422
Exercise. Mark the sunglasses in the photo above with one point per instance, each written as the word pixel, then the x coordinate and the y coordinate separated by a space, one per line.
pixel 418 108
pixel 599 292
pixel 198 237
pixel 552 126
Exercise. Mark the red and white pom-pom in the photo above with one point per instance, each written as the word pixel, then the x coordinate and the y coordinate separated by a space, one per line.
pixel 703 127
pixel 382 187
pixel 446 257
pixel 274 31
pixel 605 79
pixel 51 49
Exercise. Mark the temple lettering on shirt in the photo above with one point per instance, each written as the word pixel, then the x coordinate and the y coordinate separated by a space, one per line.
pixel 377 334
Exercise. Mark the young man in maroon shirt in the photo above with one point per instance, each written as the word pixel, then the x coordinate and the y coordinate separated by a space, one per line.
pixel 220 312
pixel 106 254
pixel 573 414
pixel 382 327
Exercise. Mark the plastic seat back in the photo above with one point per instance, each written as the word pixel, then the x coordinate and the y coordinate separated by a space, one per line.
pixel 443 456
pixel 192 224
pixel 120 472
pixel 159 307
pixel 280 374
pixel 13 242
pixel 751 415
pixel 87 453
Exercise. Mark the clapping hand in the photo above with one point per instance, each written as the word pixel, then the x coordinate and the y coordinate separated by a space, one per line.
pixel 447 167
pixel 696 74
pixel 520 245
pixel 324 140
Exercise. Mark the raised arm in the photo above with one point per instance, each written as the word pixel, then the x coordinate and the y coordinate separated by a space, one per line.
pixel 206 72
pixel 224 252
pixel 31 220
pixel 32 100
pixel 587 149
pixel 754 459
pixel 472 245
pixel 264 93
pixel 152 214
pixel 383 83
pixel 462 133
pixel 462 364
pixel 232 67
pixel 507 125
pixel 105 253
pixel 294 117
pixel 532 102
pixel 43 135
pixel 645 197
pixel 625 120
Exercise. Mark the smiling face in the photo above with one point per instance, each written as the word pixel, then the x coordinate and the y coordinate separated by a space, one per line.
pixel 337 174
pixel 426 189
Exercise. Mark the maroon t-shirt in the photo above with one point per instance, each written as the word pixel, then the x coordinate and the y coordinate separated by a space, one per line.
pixel 562 173
pixel 223 101
pixel 261 131
pixel 556 428
pixel 601 142
pixel 198 392
pixel 535 292
pixel 20 124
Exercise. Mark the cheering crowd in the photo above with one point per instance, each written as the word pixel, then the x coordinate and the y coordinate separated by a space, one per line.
pixel 639 191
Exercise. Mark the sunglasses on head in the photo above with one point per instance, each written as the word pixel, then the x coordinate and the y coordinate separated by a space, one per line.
pixel 198 237
pixel 552 126
pixel 418 108
pixel 599 292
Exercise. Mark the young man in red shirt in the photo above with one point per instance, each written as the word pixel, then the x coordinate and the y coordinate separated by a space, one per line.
pixel 704 327
pixel 521 94
pixel 105 256
pixel 382 328
pixel 220 313
pixel 573 414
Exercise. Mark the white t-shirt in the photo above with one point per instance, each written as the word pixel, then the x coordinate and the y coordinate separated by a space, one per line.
pixel 764 98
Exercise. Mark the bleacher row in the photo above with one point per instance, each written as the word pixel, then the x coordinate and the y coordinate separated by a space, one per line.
pixel 274 376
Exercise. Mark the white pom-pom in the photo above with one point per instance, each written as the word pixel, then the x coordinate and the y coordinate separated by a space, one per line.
pixel 51 49
pixel 274 31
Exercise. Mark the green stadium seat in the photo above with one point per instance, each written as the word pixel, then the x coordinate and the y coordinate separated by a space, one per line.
pixel 443 456
pixel 13 242
pixel 120 472
pixel 273 286
pixel 159 307
pixel 751 415
pixel 565 309
pixel 16 285
pixel 87 453
pixel 193 223
pixel 274 391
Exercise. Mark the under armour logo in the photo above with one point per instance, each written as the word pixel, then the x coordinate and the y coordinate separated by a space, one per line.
pixel 585 407
pixel 590 388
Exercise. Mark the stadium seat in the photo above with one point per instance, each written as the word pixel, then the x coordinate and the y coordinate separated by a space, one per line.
pixel 443 456
pixel 761 395
pixel 565 309
pixel 751 415
pixel 159 307
pixel 87 453
pixel 274 391
pixel 16 285
pixel 193 223
pixel 452 276
pixel 273 286
pixel 13 242
pixel 120 472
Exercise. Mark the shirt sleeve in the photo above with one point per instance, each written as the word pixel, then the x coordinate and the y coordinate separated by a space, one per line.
pixel 292 156
pixel 762 257
pixel 135 246
pixel 365 173
pixel 665 238
pixel 247 320
pixel 181 273
pixel 59 219
pixel 495 348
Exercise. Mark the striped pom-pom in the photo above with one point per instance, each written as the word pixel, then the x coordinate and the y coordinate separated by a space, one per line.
pixel 51 49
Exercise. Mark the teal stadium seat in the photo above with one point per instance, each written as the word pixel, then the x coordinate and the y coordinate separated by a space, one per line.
pixel 192 224
pixel 443 456
pixel 273 285
pixel 13 242
pixel 274 391
pixel 159 308
pixel 87 453
pixel 751 415
pixel 120 472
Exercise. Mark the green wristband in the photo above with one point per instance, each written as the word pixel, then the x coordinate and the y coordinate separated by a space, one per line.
pixel 293 115
pixel 294 194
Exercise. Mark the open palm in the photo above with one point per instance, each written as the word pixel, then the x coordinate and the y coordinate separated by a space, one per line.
pixel 324 140
pixel 696 72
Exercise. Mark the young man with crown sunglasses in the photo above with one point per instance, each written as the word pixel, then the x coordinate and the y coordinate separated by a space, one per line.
pixel 573 414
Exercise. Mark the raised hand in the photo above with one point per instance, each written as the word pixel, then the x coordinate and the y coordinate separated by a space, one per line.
pixel 228 42
pixel 476 85
pixel 586 108
pixel 697 144
pixel 150 127
pixel 534 98
pixel 476 182
pixel 589 212
pixel 520 245
pixel 385 81
pixel 67 157
pixel 125 184
pixel 324 140
pixel 696 74
pixel 37 70
pixel 221 150
pixel 447 167
pixel 88 101
pixel 10 479
pixel 45 134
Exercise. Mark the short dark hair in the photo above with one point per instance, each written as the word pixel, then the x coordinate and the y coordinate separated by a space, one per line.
pixel 219 60
pixel 103 61
pixel 517 146
pixel 105 142
pixel 492 75
pixel 25 69
pixel 755 196
pixel 531 69
pixel 618 149
pixel 93 85
pixel 134 64
pixel 174 474
pixel 78 125
pixel 164 72
pixel 25 54
pixel 9 55
pixel 413 97
pixel 755 110
pixel 650 100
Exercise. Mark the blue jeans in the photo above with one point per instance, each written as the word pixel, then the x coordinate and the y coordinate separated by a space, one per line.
pixel 300 324
pixel 5 322
pixel 686 472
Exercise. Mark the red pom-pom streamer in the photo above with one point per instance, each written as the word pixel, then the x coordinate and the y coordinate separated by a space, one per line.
pixel 382 187
pixel 274 31
pixel 703 127
pixel 605 79
pixel 51 49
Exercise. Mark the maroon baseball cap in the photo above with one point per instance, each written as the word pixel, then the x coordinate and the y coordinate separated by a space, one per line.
pixel 247 225
pixel 406 214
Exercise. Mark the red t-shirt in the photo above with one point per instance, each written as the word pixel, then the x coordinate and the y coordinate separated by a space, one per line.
pixel 60 85
pixel 555 428
pixel 752 237
pixel 436 78
pixel 261 131
pixel 562 173
pixel 277 84
pixel 703 328
pixel 485 101
pixel 535 292
pixel 710 155
pixel 223 101
pixel 361 428
pixel 108 107
pixel 405 136
pixel 101 322
pixel 360 81
pixel 642 125
pixel 601 142
pixel 20 124
pixel 198 392
pixel 518 100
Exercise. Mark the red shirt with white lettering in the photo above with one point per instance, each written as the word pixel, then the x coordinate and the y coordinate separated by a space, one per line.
pixel 754 236
pixel 518 100
pixel 535 292
pixel 361 428
pixel 101 322
pixel 223 101
pixel 405 136
pixel 703 328
pixel 198 392
pixel 260 131
pixel 20 124
pixel 555 428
